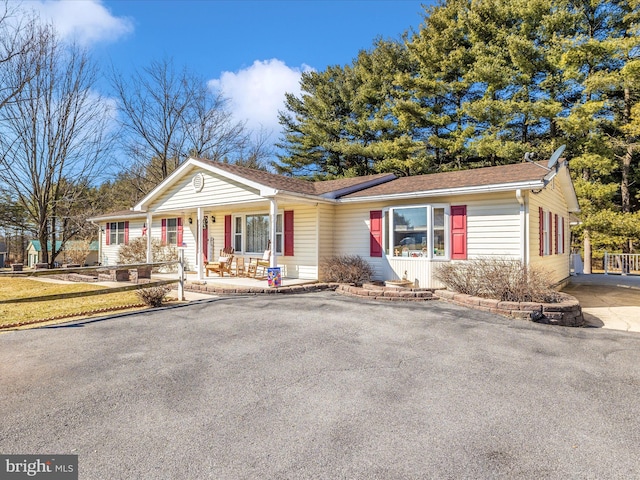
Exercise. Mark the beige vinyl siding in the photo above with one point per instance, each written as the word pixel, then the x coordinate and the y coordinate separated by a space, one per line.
pixel 216 191
pixel 351 235
pixel 326 231
pixel 551 199
pixel 304 263
pixel 110 252
pixel 493 227
pixel 216 235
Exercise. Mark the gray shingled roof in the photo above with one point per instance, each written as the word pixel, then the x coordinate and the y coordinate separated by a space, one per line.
pixel 294 185
pixel 504 174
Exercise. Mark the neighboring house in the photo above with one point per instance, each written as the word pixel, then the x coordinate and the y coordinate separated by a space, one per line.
pixel 34 252
pixel 3 254
pixel 407 224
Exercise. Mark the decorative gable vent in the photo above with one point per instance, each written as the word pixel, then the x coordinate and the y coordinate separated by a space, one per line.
pixel 197 182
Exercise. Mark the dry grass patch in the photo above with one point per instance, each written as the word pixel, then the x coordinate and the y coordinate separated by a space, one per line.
pixel 16 288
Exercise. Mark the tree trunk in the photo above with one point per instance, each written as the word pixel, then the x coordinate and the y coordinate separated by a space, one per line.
pixel 52 257
pixel 628 156
pixel 624 185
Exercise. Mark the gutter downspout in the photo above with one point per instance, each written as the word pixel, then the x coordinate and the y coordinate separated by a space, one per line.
pixel 523 227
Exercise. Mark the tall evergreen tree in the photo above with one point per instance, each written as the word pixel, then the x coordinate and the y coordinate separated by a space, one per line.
pixel 343 123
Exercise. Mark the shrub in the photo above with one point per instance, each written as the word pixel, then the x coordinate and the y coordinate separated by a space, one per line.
pixel 345 269
pixel 498 278
pixel 136 252
pixel 153 296
pixel 76 251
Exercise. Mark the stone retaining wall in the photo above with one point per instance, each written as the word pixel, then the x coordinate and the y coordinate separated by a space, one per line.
pixel 378 292
pixel 567 313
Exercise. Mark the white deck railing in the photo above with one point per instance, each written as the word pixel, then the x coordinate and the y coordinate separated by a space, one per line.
pixel 622 263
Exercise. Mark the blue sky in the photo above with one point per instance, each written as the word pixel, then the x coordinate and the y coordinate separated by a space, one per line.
pixel 253 51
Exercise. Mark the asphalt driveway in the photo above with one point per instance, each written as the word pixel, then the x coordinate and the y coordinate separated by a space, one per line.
pixel 608 301
pixel 323 386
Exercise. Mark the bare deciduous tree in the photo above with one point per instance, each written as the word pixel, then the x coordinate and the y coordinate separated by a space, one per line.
pixel 169 115
pixel 54 136
pixel 18 46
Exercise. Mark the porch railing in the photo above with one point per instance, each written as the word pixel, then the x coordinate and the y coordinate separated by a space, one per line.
pixel 621 263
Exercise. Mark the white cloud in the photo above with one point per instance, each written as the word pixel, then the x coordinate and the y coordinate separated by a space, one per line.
pixel 87 22
pixel 256 93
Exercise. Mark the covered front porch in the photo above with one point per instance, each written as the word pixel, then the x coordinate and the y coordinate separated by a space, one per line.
pixel 203 232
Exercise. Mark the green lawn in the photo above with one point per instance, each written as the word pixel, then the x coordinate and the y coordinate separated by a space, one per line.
pixel 15 288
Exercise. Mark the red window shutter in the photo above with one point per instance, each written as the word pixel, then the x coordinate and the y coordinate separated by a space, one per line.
pixel 163 238
pixel 288 233
pixel 555 234
pixel 459 232
pixel 541 227
pixel 375 233
pixel 227 231
pixel 126 233
pixel 180 232
pixel 549 234
pixel 564 241
pixel 108 239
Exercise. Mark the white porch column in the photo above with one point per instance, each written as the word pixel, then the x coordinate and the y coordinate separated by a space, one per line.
pixel 200 243
pixel 149 251
pixel 273 214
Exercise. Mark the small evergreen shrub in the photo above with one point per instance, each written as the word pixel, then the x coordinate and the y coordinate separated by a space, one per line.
pixel 153 296
pixel 498 278
pixel 345 269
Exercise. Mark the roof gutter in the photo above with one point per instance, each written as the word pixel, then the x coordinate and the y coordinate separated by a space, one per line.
pixel 121 216
pixel 507 187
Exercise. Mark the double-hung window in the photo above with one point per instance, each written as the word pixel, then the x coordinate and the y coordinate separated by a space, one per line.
pixel 419 231
pixel 251 233
pixel 560 235
pixel 116 233
pixel 546 233
pixel 237 234
pixel 172 231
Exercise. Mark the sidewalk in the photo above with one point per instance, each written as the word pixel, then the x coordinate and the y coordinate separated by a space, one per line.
pixel 608 301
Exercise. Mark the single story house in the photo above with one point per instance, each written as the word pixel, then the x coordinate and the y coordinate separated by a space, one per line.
pixel 400 225
pixel 74 249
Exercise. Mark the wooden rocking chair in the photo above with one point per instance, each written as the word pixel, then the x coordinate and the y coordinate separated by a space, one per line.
pixel 223 264
pixel 261 264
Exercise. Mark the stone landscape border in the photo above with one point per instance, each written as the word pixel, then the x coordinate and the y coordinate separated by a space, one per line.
pixel 566 313
pixel 377 292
